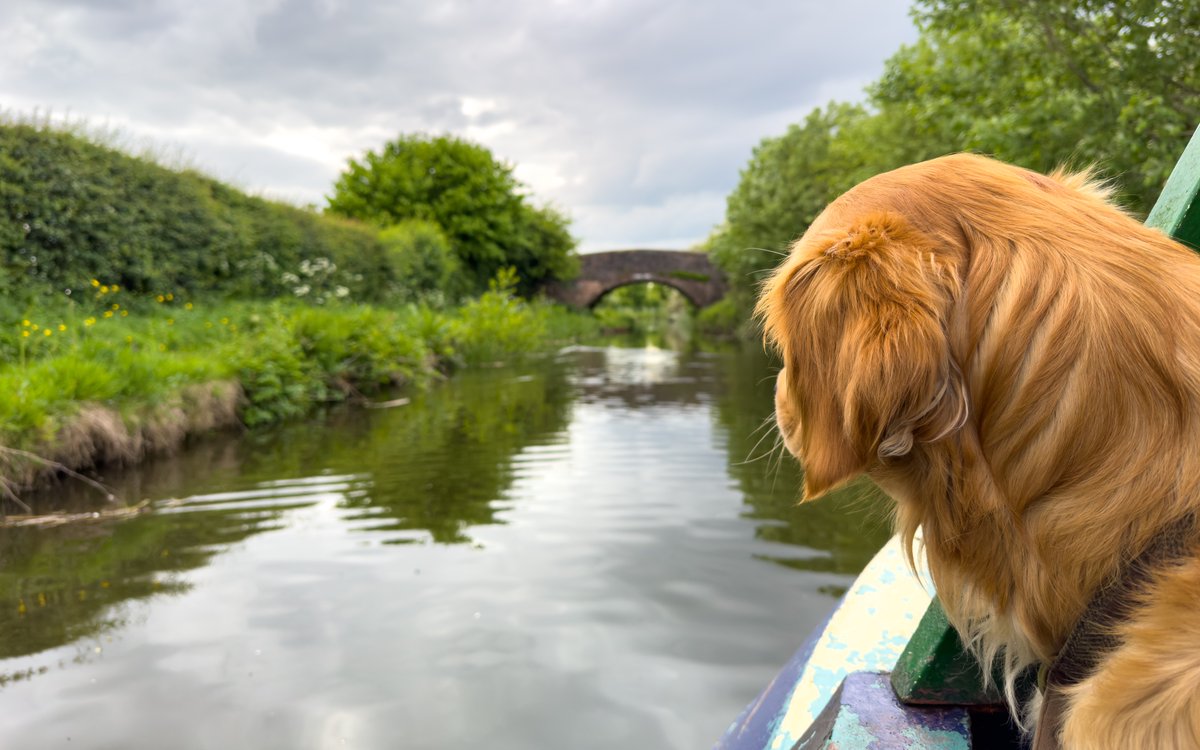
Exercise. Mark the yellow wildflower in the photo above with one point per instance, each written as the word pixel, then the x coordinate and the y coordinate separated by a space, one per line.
pixel 89 321
pixel 104 289
pixel 95 282
pixel 34 326
pixel 25 323
pixel 108 313
pixel 47 332
pixel 25 334
pixel 116 288
pixel 224 321
pixel 62 327
pixel 115 306
pixel 124 313
pixel 188 306
pixel 159 298
pixel 170 296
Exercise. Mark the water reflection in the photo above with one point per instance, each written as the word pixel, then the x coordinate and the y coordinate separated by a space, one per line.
pixel 440 464
pixel 848 526
pixel 574 548
pixel 427 471
pixel 59 585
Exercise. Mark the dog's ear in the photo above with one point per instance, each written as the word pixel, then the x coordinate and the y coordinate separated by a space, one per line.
pixel 861 315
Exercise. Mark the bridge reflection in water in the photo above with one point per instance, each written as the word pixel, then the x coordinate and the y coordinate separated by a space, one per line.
pixel 692 273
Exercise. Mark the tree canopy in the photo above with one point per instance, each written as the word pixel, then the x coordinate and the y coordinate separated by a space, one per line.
pixel 473 197
pixel 1039 83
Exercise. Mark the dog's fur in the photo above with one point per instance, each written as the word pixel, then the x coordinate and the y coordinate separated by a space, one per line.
pixel 1017 363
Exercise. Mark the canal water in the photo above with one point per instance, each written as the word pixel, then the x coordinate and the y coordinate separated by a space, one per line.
pixel 593 550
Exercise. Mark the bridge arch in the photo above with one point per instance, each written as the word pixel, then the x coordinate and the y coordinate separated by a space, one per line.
pixel 691 273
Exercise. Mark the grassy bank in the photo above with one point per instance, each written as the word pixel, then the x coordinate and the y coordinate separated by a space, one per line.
pixel 111 376
pixel 141 303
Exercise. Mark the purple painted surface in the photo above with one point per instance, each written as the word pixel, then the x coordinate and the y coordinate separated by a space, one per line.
pixel 755 727
pixel 866 715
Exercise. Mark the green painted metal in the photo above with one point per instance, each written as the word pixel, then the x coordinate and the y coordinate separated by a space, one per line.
pixel 935 669
pixel 1177 210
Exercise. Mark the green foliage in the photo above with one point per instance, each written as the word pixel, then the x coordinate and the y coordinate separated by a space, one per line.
pixel 721 318
pixel 497 325
pixel 72 210
pixel 420 257
pixel 787 183
pixel 565 326
pixel 286 355
pixel 1035 84
pixel 690 276
pixel 275 379
pixel 646 312
pixel 476 200
pixel 544 250
pixel 1044 84
pixel 360 347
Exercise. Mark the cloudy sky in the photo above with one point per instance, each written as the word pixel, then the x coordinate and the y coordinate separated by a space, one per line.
pixel 632 116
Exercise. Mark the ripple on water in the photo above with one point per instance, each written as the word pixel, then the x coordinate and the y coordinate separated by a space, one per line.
pixel 572 553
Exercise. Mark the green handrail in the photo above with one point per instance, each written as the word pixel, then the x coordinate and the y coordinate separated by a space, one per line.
pixel 1177 210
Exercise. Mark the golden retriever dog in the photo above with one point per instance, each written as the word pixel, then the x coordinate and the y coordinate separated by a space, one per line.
pixel 1016 362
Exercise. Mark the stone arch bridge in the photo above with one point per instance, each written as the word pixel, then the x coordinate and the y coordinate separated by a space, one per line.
pixel 692 273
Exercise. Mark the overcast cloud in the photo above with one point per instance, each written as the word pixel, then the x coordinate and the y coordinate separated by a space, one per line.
pixel 631 116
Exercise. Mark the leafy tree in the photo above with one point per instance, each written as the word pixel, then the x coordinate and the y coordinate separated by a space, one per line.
pixel 789 179
pixel 474 198
pixel 1046 83
pixel 544 251
pixel 1040 83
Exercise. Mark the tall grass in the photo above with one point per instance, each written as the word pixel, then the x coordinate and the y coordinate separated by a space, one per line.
pixel 140 360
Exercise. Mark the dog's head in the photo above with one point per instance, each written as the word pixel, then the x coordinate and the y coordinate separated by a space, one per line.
pixel 860 313
pixel 950 328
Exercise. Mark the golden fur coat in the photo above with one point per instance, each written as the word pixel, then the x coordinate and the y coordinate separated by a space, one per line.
pixel 1017 364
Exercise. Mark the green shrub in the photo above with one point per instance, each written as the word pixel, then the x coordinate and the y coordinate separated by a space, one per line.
pixel 497 325
pixel 720 318
pixel 72 210
pixel 420 259
pixel 274 378
pixel 563 325
pixel 360 347
pixel 433 327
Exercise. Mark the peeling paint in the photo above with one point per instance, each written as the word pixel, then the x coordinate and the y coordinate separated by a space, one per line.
pixel 864 714
pixel 867 632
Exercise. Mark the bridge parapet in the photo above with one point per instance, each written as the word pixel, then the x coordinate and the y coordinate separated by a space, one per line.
pixel 692 273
